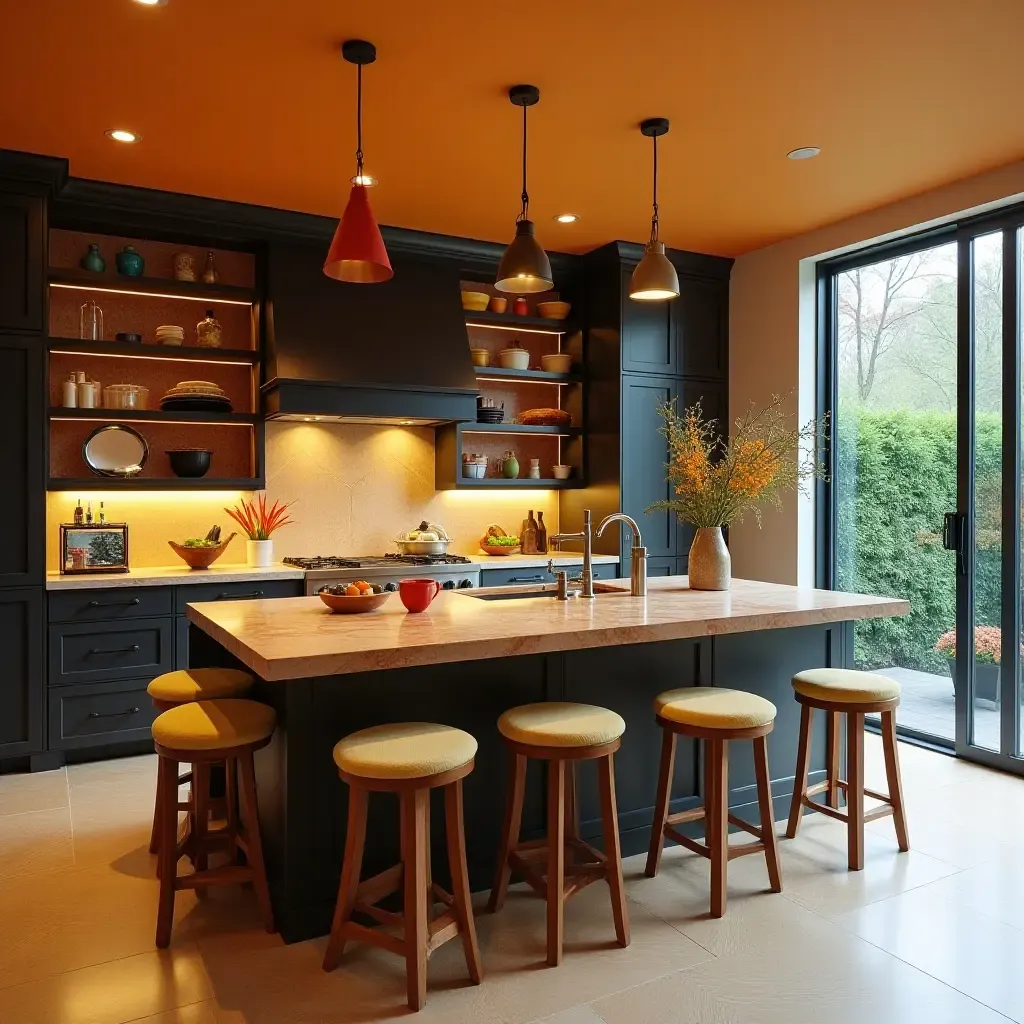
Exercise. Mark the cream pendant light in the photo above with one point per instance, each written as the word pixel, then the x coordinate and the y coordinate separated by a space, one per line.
pixel 654 278
pixel 524 267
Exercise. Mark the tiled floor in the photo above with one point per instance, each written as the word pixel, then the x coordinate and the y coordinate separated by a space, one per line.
pixel 934 936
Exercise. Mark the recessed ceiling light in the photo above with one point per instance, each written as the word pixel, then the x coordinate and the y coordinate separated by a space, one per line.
pixel 567 218
pixel 367 180
pixel 803 153
pixel 121 135
pixel 151 3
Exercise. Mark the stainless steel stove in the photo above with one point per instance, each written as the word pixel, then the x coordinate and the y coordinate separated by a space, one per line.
pixel 453 572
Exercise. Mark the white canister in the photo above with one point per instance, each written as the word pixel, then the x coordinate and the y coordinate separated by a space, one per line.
pixel 69 393
pixel 534 471
pixel 259 553
pixel 86 395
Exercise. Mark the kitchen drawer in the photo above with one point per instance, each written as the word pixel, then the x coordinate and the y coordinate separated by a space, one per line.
pixel 119 603
pixel 105 651
pixel 92 716
pixel 603 571
pixel 512 576
pixel 194 593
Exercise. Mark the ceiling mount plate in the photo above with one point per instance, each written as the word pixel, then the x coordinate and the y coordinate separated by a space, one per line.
pixel 652 127
pixel 524 95
pixel 358 51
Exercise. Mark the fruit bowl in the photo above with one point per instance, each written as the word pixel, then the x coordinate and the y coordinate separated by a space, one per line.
pixel 352 604
pixel 200 557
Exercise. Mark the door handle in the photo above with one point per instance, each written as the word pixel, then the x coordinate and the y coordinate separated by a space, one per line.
pixel 114 714
pixel 239 597
pixel 954 538
pixel 114 604
pixel 526 579
pixel 114 650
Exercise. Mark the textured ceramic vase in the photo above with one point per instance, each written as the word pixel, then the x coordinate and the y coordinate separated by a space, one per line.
pixel 129 262
pixel 259 553
pixel 92 260
pixel 710 565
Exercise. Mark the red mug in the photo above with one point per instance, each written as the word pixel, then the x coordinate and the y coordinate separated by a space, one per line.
pixel 416 595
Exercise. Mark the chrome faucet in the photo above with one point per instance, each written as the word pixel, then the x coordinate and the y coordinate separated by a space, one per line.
pixel 637 554
pixel 587 576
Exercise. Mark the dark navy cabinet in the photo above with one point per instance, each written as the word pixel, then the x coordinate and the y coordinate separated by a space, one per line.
pixel 23 244
pixel 21 682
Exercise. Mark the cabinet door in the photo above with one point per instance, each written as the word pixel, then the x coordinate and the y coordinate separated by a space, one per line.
pixel 662 567
pixel 21 685
pixel 644 454
pixel 649 337
pixel 23 429
pixel 23 258
pixel 701 316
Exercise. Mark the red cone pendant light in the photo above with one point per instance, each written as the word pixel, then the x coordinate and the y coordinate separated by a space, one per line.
pixel 357 252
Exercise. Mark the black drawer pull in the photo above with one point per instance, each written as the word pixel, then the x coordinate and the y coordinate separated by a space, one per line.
pixel 114 604
pixel 114 714
pixel 239 597
pixel 526 579
pixel 114 650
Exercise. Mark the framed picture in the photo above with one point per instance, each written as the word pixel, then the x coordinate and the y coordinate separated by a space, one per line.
pixel 94 548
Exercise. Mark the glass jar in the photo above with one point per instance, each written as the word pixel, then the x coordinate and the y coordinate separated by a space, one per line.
pixel 209 331
pixel 90 321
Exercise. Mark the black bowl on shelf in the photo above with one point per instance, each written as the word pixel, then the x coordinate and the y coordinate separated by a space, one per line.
pixel 190 462
pixel 130 337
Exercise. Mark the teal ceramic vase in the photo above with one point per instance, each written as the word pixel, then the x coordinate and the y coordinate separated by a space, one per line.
pixel 129 262
pixel 92 260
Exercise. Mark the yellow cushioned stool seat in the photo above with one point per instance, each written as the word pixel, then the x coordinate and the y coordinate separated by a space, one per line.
pixel 561 724
pixel 214 725
pixel 404 750
pixel 845 684
pixel 712 707
pixel 188 684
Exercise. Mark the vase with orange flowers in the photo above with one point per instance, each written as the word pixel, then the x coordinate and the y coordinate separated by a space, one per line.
pixel 260 523
pixel 717 481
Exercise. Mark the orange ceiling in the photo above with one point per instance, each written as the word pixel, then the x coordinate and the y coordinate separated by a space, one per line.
pixel 250 100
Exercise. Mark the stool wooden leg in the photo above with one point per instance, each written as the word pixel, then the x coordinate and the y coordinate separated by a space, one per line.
pixel 892 774
pixel 855 789
pixel 167 816
pixel 463 906
pixel 416 837
pixel 610 822
pixel 509 829
pixel 803 766
pixel 556 860
pixel 767 812
pixel 572 820
pixel 154 835
pixel 832 749
pixel 201 818
pixel 665 772
pixel 355 840
pixel 717 760
pixel 231 803
pixel 251 822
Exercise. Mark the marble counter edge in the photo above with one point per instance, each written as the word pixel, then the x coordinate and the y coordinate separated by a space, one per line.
pixel 537 561
pixel 170 575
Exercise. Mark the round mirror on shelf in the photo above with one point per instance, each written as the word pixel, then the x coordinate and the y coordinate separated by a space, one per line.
pixel 115 450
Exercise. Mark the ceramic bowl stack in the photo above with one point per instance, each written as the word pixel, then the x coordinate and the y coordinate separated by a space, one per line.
pixel 170 335
pixel 195 396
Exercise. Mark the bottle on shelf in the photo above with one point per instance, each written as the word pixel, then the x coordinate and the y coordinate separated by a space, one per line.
pixel 79 514
pixel 210 274
pixel 90 321
pixel 103 514
pixel 69 392
pixel 209 331
pixel 542 535
pixel 88 514
pixel 528 535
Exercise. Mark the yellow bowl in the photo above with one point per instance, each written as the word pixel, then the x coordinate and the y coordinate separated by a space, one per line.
pixel 475 301
pixel 553 310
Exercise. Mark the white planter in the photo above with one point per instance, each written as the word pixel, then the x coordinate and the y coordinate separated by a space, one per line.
pixel 259 553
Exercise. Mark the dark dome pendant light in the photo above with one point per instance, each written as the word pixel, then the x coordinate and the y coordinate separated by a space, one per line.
pixel 524 268
pixel 357 252
pixel 654 278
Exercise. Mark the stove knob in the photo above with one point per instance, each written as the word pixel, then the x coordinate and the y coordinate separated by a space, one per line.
pixel 391 587
pixel 448 585
pixel 465 584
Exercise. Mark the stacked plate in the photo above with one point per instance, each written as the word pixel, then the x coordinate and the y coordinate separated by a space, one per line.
pixel 195 396
pixel 168 334
pixel 489 415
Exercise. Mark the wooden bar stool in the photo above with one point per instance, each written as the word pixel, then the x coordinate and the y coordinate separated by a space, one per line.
pixel 182 687
pixel 409 759
pixel 715 716
pixel 841 691
pixel 207 731
pixel 561 865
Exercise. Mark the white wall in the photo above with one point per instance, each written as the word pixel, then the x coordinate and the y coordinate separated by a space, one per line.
pixel 772 343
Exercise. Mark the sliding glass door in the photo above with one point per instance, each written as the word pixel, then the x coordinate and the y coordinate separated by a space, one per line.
pixel 920 357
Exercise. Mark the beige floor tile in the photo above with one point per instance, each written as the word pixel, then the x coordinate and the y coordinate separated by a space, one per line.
pixel 105 830
pixel 850 983
pixel 198 1013
pixel 285 985
pixel 36 842
pixel 112 770
pixel 995 888
pixel 111 993
pixel 576 1015
pixel 967 950
pixel 33 791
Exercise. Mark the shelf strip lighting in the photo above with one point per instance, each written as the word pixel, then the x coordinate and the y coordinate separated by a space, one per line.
pixel 526 380
pixel 520 330
pixel 152 295
pixel 512 430
pixel 162 359
pixel 114 418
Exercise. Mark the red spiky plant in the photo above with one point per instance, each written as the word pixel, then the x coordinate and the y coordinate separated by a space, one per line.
pixel 257 520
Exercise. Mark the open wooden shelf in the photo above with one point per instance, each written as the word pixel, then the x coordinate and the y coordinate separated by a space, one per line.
pixel 499 373
pixel 511 321
pixel 152 416
pixel 194 290
pixel 186 353
pixel 543 484
pixel 174 483
pixel 518 428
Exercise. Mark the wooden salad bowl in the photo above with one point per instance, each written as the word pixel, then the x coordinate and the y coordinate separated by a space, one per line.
pixel 200 558
pixel 352 604
pixel 491 549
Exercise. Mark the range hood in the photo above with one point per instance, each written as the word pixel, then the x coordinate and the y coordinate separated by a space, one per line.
pixel 395 352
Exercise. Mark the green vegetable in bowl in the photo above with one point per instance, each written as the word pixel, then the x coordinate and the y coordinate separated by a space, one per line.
pixel 199 542
pixel 503 542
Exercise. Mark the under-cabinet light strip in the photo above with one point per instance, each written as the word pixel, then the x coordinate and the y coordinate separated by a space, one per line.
pixel 114 418
pixel 162 359
pixel 513 430
pixel 526 380
pixel 152 295
pixel 519 330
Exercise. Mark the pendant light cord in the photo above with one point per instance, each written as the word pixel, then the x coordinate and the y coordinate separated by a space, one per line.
pixel 524 214
pixel 654 218
pixel 359 123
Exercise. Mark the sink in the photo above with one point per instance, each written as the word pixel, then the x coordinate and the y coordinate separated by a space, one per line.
pixel 548 591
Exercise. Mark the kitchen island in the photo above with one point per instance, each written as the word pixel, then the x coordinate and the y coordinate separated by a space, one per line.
pixel 471 656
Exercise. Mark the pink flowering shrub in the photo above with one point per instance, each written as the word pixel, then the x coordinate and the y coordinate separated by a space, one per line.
pixel 987 644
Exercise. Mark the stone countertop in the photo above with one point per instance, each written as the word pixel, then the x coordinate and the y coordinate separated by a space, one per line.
pixel 294 638
pixel 536 561
pixel 172 575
